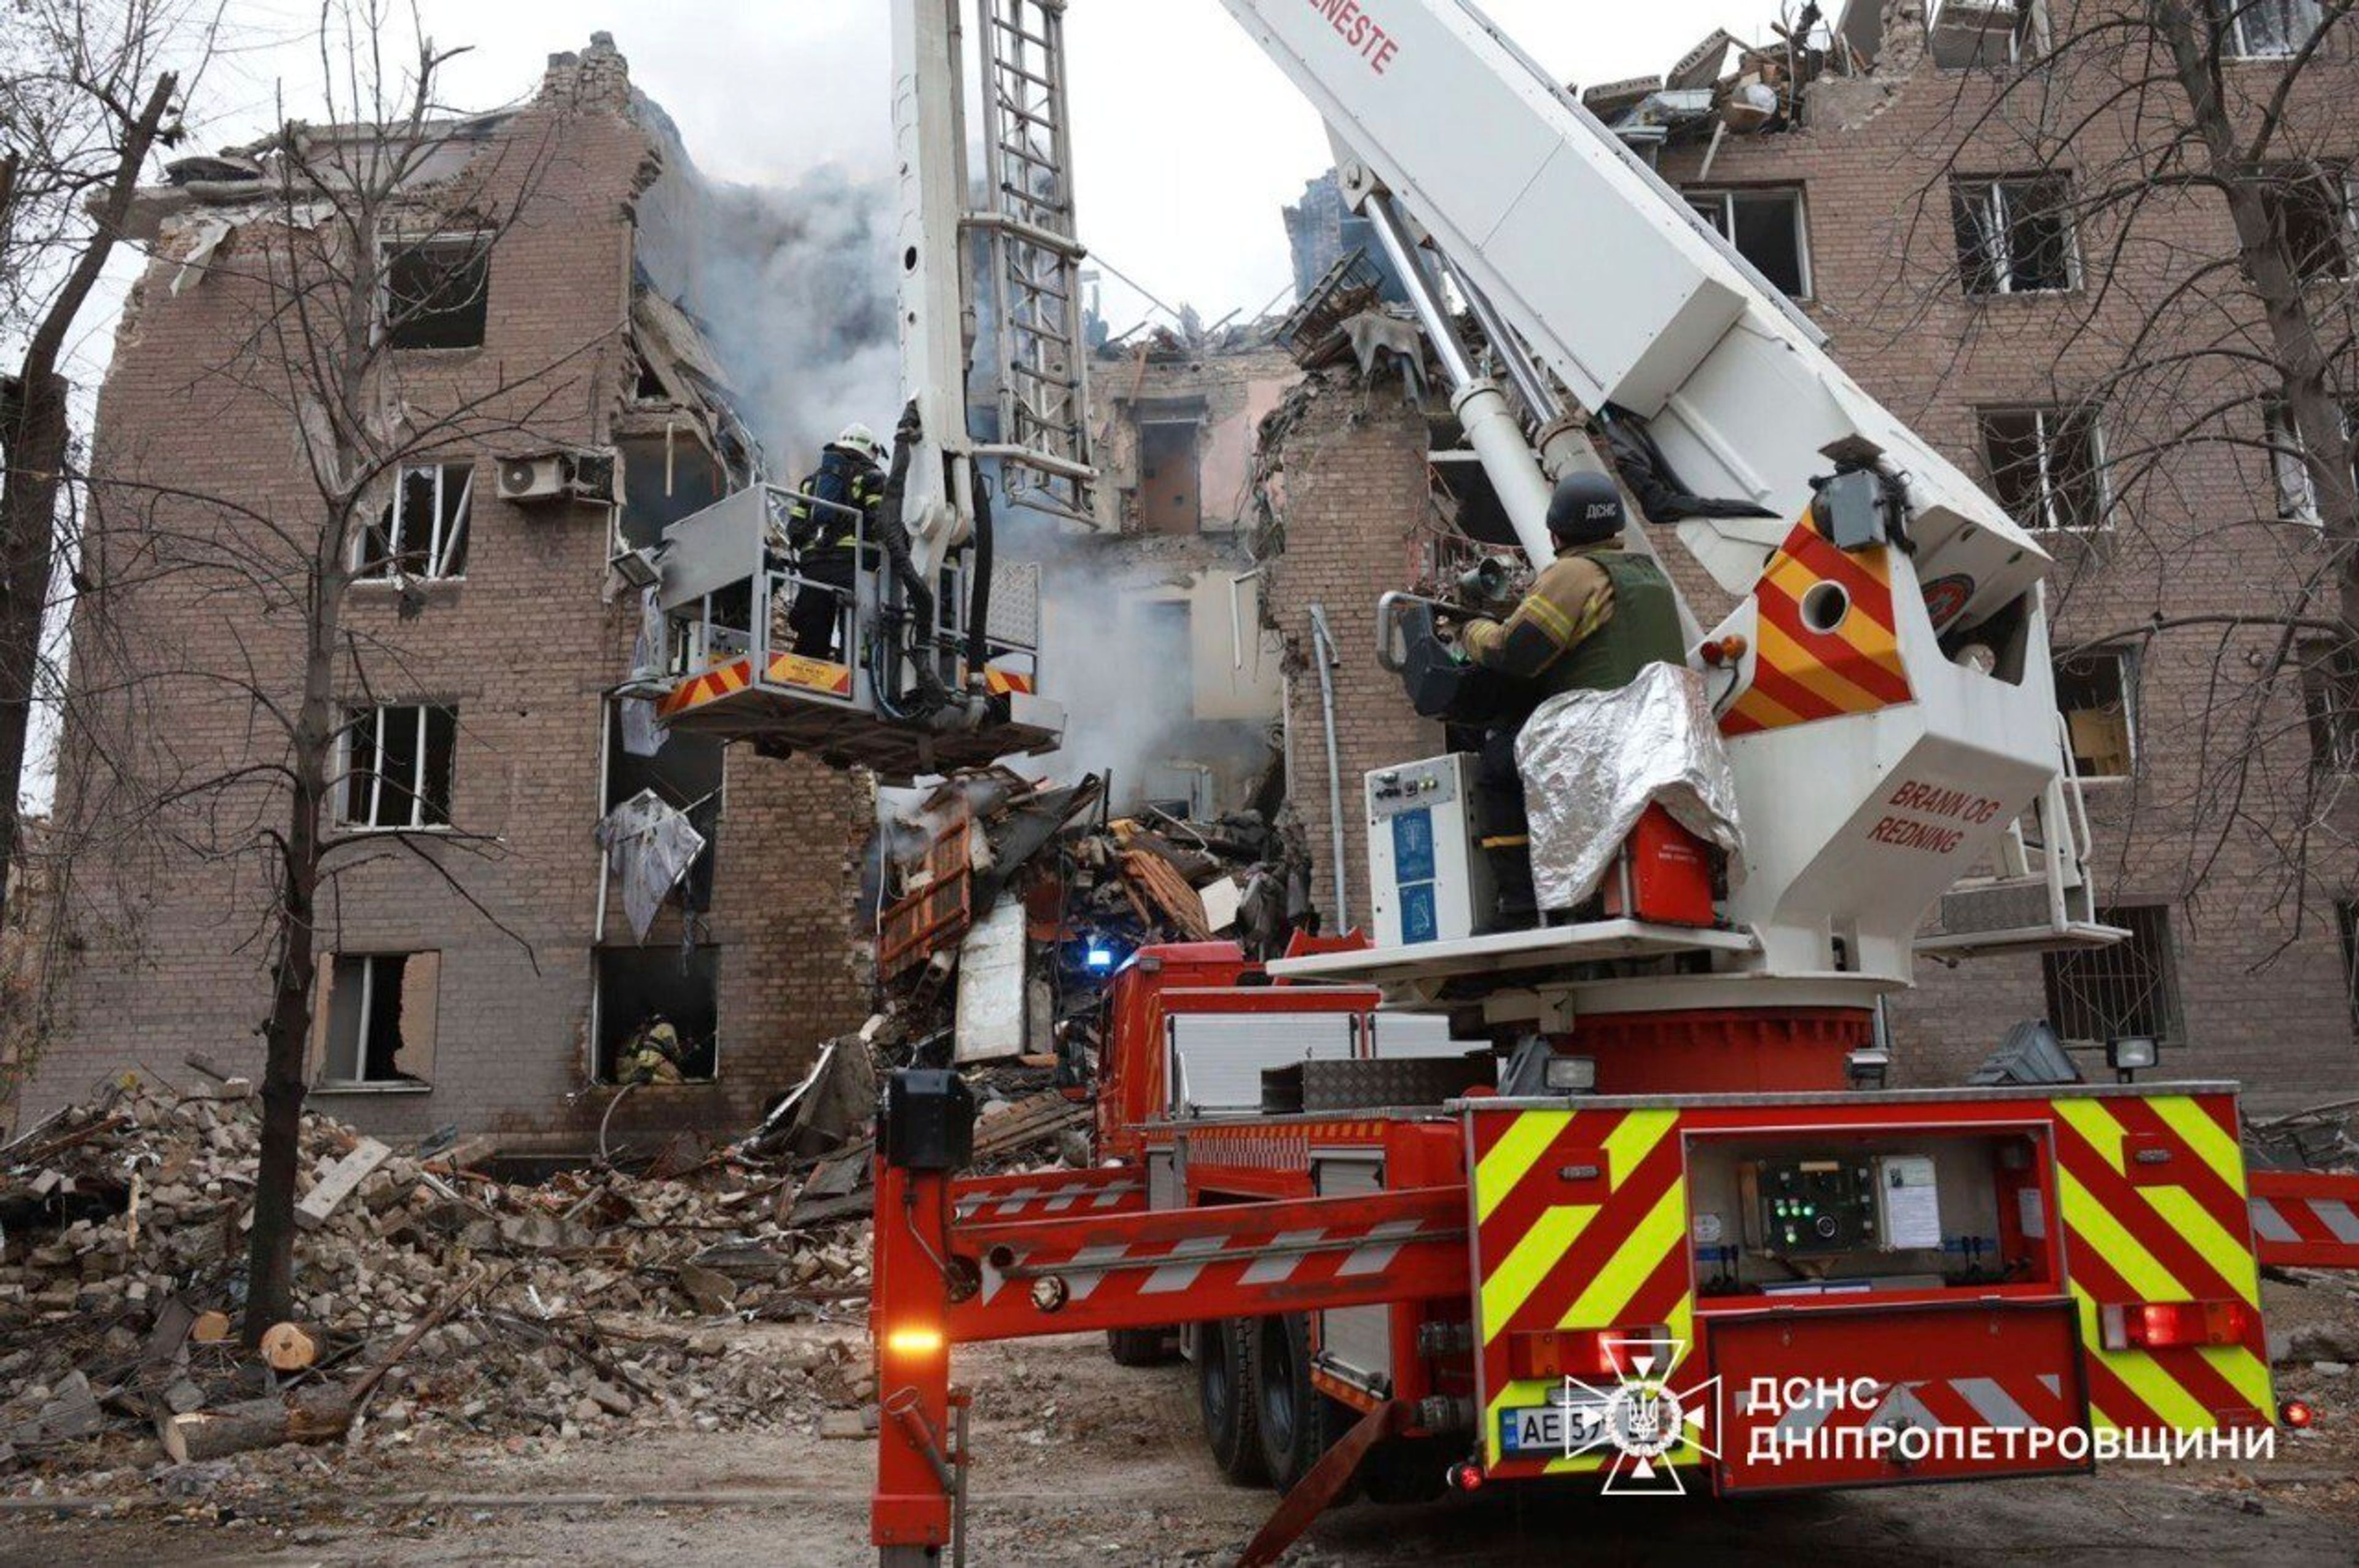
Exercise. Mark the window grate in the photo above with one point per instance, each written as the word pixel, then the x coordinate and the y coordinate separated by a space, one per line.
pixel 2099 994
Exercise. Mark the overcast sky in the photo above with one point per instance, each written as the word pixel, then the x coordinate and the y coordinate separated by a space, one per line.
pixel 1188 141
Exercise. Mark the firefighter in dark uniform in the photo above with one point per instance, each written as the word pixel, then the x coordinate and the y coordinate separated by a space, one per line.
pixel 851 474
pixel 1595 617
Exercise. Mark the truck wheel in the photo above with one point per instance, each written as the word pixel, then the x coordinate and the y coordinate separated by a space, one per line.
pixel 1139 1346
pixel 1223 1392
pixel 1297 1423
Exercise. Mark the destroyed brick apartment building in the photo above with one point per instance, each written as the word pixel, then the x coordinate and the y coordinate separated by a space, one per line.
pixel 1252 515
pixel 488 659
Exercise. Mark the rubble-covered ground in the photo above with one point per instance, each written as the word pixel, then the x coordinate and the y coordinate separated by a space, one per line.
pixel 1080 1461
pixel 619 1367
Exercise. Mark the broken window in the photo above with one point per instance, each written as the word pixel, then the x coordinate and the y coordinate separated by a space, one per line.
pixel 1965 34
pixel 1767 228
pixel 2309 206
pixel 2297 495
pixel 2346 922
pixel 437 291
pixel 2015 236
pixel 640 989
pixel 1170 498
pixel 665 479
pixel 422 532
pixel 686 774
pixel 373 1024
pixel 396 766
pixel 2265 30
pixel 2330 692
pixel 2130 989
pixel 2046 465
pixel 2094 693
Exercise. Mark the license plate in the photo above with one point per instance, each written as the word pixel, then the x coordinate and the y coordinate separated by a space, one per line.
pixel 1550 1429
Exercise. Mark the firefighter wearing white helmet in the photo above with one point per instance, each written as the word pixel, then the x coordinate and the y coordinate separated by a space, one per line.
pixel 838 505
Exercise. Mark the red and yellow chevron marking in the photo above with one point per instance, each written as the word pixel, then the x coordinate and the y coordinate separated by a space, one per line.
pixel 999 682
pixel 720 681
pixel 1799 674
pixel 811 675
pixel 1554 1249
pixel 2152 1192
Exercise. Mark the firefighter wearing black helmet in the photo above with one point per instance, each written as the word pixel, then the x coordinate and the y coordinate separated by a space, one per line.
pixel 1597 615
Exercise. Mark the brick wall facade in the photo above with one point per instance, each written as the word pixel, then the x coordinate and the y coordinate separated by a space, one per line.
pixel 1350 496
pixel 171 945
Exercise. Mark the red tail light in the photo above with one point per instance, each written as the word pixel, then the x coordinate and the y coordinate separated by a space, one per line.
pixel 1466 1478
pixel 2297 1414
pixel 2164 1325
pixel 1589 1353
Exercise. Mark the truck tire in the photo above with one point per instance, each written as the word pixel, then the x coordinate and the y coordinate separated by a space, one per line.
pixel 1297 1423
pixel 1139 1346
pixel 1225 1395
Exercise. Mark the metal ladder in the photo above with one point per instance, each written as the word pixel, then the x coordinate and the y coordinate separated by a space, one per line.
pixel 1026 218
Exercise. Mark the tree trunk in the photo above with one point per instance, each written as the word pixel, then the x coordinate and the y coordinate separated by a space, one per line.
pixel 270 1260
pixel 34 434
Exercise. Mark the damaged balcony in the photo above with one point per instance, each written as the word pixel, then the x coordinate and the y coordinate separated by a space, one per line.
pixel 756 647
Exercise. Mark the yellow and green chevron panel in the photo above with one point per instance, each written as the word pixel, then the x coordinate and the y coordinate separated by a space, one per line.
pixel 1581 1222
pixel 2152 1193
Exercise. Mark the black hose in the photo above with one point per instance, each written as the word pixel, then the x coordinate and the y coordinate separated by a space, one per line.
pixel 978 610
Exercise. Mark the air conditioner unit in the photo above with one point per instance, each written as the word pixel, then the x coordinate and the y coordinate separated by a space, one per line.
pixel 537 477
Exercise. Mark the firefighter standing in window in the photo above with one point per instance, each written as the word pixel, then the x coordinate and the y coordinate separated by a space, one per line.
pixel 1595 617
pixel 851 474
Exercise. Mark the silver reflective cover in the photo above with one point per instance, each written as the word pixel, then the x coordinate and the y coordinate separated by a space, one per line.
pixel 1593 761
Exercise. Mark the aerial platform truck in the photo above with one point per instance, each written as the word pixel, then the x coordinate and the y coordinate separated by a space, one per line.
pixel 1683 1235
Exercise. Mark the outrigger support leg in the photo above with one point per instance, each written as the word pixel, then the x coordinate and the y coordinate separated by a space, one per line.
pixel 1323 1484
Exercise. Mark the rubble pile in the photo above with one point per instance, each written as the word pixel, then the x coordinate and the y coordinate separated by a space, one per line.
pixel 428 1295
pixel 1010 902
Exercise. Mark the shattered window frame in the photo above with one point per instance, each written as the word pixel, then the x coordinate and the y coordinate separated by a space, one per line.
pixel 2045 490
pixel 2290 462
pixel 2329 701
pixel 607 1036
pixel 427 322
pixel 2347 921
pixel 370 795
pixel 2027 37
pixel 352 1038
pixel 2316 206
pixel 2123 700
pixel 383 550
pixel 2008 228
pixel 1717 206
pixel 2294 23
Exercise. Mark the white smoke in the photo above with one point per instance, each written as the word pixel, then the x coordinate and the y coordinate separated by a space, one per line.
pixel 795 289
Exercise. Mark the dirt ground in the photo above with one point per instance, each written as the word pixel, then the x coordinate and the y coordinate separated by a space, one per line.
pixel 1080 1461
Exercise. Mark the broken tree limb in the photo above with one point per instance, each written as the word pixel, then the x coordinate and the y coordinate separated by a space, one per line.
pixel 357 1407
pixel 318 1415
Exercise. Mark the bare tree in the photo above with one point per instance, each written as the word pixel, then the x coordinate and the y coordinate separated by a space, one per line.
pixel 343 246
pixel 2089 159
pixel 84 103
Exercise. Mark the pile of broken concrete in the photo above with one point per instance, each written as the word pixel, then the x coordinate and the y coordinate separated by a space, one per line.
pixel 430 1299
